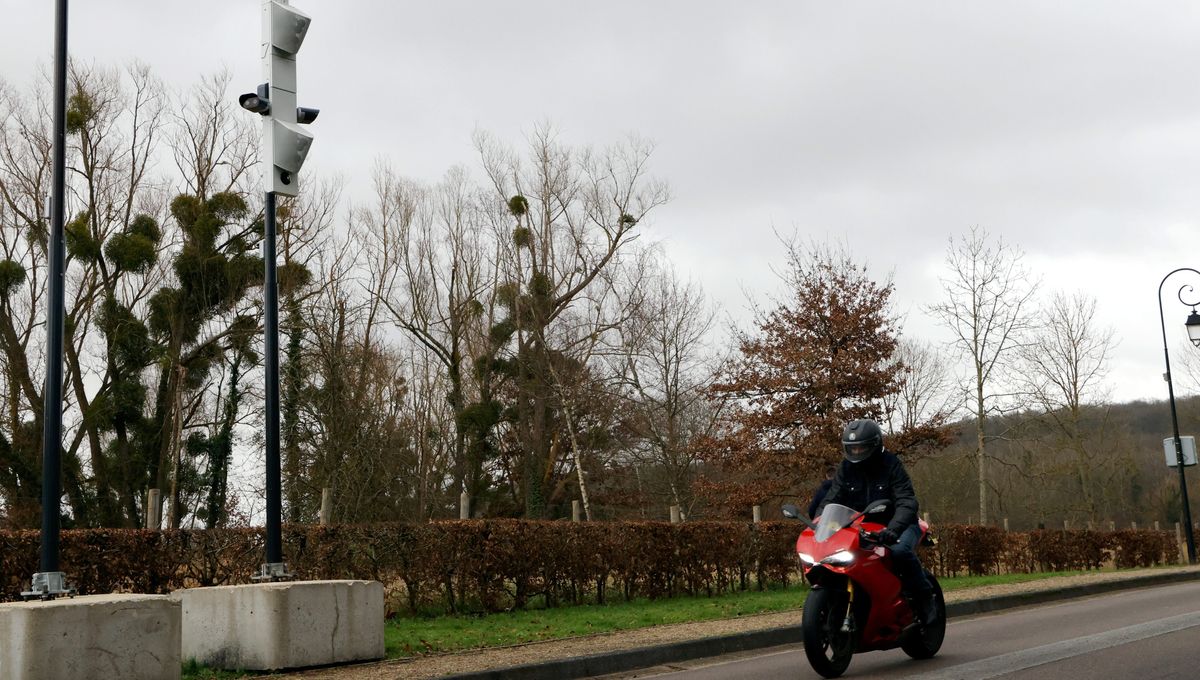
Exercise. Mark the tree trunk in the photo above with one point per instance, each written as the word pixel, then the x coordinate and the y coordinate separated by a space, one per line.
pixel 982 454
pixel 173 518
pixel 583 490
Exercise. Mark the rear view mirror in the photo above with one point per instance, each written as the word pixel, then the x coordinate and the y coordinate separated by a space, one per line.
pixel 790 511
pixel 880 506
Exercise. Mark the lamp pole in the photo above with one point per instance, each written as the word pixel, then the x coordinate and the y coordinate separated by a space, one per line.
pixel 285 146
pixel 49 582
pixel 1183 492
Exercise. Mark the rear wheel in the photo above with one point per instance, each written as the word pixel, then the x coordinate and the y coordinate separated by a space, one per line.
pixel 924 641
pixel 827 647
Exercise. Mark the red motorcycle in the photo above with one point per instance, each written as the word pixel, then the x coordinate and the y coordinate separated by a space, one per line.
pixel 856 604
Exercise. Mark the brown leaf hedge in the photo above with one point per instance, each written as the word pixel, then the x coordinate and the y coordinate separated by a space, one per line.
pixel 497 564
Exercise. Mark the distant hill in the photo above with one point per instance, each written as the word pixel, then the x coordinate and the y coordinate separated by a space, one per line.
pixel 1040 473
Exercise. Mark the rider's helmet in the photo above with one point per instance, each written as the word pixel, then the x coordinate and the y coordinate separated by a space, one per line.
pixel 861 439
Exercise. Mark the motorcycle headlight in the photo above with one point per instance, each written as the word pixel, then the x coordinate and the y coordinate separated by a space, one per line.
pixel 806 558
pixel 841 558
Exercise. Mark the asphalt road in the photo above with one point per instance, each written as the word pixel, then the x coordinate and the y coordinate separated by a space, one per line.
pixel 1147 634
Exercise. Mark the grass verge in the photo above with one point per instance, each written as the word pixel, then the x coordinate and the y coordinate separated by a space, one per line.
pixel 410 636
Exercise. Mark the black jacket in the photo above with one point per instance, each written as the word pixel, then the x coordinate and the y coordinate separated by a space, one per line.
pixel 880 477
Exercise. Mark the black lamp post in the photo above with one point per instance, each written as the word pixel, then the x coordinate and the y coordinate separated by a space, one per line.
pixel 50 582
pixel 1193 331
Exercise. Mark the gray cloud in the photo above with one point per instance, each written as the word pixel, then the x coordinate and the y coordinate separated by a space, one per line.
pixel 1070 128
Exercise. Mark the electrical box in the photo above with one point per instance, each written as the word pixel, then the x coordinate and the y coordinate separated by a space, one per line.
pixel 1188 444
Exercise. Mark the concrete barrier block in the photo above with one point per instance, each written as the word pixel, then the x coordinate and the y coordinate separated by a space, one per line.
pixel 133 637
pixel 271 626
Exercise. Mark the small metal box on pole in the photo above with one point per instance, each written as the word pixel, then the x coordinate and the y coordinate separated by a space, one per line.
pixel 1188 444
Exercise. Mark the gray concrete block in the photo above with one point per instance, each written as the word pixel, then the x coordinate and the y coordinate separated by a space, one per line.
pixel 270 626
pixel 132 637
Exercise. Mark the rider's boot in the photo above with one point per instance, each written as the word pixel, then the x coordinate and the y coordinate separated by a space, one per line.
pixel 927 609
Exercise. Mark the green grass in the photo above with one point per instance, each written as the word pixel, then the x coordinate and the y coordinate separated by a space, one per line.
pixel 959 582
pixel 194 671
pixel 410 636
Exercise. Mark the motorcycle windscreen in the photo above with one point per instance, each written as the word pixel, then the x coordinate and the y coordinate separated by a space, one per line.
pixel 833 518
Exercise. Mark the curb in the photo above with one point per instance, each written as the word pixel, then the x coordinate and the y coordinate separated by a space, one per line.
pixel 632 659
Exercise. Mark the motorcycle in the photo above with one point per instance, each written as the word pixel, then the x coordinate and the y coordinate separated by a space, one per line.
pixel 856 603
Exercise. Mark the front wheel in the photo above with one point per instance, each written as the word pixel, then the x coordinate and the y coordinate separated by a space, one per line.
pixel 827 647
pixel 924 641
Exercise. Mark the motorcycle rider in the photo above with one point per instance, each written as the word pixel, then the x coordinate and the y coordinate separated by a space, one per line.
pixel 819 494
pixel 870 473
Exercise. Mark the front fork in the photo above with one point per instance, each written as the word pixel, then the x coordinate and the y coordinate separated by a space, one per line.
pixel 848 622
pixel 819 577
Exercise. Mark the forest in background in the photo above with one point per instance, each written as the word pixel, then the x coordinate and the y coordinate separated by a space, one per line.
pixel 510 331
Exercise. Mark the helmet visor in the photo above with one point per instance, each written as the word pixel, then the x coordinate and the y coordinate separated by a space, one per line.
pixel 857 452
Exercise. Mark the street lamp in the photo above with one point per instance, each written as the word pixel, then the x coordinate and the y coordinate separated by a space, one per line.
pixel 1193 327
pixel 1193 331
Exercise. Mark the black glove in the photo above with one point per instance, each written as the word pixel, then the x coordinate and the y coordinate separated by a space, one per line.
pixel 889 537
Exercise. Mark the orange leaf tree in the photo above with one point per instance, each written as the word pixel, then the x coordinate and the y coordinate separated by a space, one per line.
pixel 821 356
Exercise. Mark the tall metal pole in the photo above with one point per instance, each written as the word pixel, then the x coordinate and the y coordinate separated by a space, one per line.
pixel 271 349
pixel 284 148
pixel 1183 492
pixel 49 581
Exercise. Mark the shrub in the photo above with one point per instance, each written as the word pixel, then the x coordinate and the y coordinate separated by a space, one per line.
pixel 498 564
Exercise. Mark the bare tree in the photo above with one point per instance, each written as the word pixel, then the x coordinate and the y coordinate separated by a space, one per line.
pixel 431 252
pixel 575 211
pixel 987 307
pixel 113 240
pixel 925 387
pixel 923 402
pixel 589 342
pixel 1064 366
pixel 374 418
pixel 668 363
pixel 214 146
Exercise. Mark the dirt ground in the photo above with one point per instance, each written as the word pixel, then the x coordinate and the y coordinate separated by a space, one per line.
pixel 500 657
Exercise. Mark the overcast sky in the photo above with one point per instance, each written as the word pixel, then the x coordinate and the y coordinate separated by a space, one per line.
pixel 1072 129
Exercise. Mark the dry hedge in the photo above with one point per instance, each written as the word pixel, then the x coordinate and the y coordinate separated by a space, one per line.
pixel 497 564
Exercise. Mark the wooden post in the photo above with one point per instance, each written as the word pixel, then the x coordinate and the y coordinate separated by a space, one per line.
pixel 464 505
pixel 154 509
pixel 675 516
pixel 1066 525
pixel 576 511
pixel 1112 526
pixel 1006 524
pixel 1156 525
pixel 1090 526
pixel 925 516
pixel 1134 525
pixel 756 513
pixel 326 505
